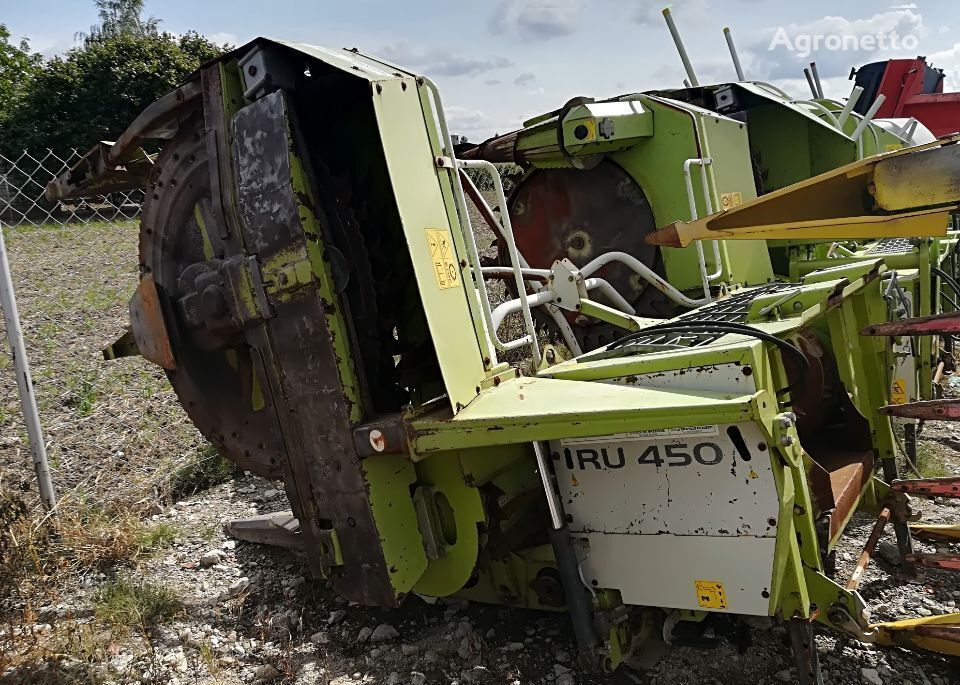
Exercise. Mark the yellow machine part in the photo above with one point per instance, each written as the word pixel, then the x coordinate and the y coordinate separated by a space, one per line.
pixel 913 192
pixel 939 634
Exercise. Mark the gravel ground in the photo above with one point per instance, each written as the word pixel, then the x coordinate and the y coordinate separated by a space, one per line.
pixel 250 614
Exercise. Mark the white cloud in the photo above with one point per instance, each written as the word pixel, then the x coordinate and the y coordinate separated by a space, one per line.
pixel 525 79
pixel 475 124
pixel 836 43
pixel 949 61
pixel 650 12
pixel 224 38
pixel 440 62
pixel 537 19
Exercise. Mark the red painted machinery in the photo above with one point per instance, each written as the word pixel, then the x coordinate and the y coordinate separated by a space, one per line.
pixel 912 88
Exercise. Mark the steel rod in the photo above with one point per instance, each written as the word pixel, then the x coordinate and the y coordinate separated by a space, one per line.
pixel 21 366
pixel 816 79
pixel 733 53
pixel 864 561
pixel 848 107
pixel 871 113
pixel 684 57
pixel 568 565
pixel 813 88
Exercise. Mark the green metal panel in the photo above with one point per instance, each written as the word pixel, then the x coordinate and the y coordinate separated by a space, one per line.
pixel 680 133
pixel 388 478
pixel 726 141
pixel 450 572
pixel 530 409
pixel 420 201
pixel 790 147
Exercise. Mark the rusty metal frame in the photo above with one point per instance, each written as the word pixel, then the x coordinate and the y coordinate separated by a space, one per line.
pixel 122 165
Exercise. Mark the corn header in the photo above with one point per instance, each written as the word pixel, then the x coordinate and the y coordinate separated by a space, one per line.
pixel 675 427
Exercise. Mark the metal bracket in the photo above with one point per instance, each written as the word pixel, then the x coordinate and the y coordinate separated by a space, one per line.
pixel 148 326
pixel 281 529
pixel 567 283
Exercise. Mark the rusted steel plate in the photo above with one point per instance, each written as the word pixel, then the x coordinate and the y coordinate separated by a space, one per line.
pixel 148 325
pixel 857 576
pixel 948 562
pixel 302 367
pixel 920 325
pixel 927 410
pixel 280 529
pixel 929 487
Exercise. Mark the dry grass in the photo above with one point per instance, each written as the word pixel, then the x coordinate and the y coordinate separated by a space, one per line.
pixel 131 603
pixel 113 429
pixel 117 441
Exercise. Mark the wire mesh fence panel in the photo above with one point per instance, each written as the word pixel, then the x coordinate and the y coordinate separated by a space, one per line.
pixel 114 429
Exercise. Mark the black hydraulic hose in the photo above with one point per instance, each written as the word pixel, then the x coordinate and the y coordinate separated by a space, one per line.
pixel 954 286
pixel 697 326
pixel 947 278
pixel 953 303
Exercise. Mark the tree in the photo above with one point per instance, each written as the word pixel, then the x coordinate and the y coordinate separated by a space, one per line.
pixel 120 18
pixel 18 68
pixel 94 91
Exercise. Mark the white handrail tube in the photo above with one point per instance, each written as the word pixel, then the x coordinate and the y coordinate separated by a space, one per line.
pixel 871 113
pixel 646 273
pixel 511 249
pixel 851 103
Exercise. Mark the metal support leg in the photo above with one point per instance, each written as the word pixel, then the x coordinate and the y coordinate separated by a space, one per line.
pixel 28 401
pixel 900 528
pixel 805 652
pixel 568 565
pixel 910 443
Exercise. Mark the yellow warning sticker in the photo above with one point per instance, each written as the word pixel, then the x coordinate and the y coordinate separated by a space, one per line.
pixel 898 391
pixel 730 200
pixel 893 147
pixel 445 267
pixel 710 594
pixel 591 126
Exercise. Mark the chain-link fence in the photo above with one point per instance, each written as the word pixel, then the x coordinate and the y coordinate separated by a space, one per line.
pixel 113 429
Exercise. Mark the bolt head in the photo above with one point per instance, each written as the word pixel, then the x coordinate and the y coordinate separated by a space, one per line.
pixel 377 440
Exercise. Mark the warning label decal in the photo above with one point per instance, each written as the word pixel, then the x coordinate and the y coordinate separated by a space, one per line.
pixel 898 392
pixel 445 267
pixel 710 594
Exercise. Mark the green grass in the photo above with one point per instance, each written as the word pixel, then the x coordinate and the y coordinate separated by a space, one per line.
pixel 929 462
pixel 83 394
pixel 128 603
pixel 204 470
pixel 157 536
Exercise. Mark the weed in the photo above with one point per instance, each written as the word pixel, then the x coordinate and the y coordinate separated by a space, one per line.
pixel 929 462
pixel 124 602
pixel 204 470
pixel 209 658
pixel 157 536
pixel 83 394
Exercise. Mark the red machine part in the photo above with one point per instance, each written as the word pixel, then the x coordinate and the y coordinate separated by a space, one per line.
pixel 903 84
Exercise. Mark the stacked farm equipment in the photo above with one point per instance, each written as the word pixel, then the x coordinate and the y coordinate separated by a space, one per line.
pixel 700 423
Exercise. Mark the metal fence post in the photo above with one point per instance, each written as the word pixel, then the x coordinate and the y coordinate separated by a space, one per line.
pixel 28 400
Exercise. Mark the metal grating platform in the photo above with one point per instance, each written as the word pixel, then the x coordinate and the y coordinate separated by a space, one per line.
pixel 892 246
pixel 733 309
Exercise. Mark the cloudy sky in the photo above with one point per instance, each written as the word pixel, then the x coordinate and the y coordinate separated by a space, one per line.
pixel 501 61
